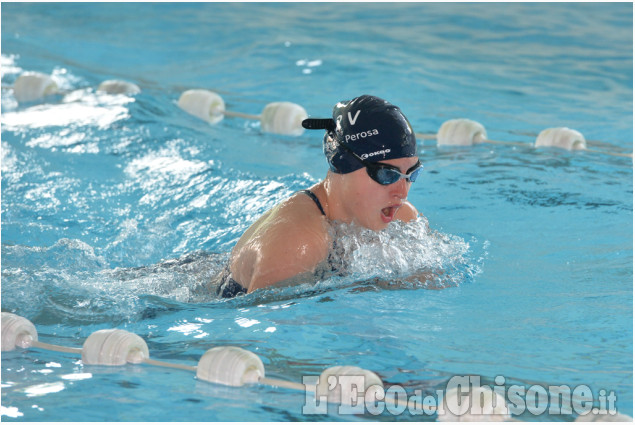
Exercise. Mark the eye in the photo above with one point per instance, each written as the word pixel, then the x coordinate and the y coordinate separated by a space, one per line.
pixel 415 174
pixel 387 176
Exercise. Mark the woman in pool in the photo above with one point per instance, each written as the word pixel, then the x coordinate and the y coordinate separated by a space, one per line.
pixel 371 149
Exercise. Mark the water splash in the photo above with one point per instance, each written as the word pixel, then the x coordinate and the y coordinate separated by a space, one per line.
pixel 68 282
pixel 8 65
pixel 404 254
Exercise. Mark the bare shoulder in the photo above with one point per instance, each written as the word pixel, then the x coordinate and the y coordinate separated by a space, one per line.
pixel 407 212
pixel 289 240
pixel 296 223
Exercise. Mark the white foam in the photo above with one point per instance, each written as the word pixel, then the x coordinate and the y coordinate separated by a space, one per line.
pixel 403 250
pixel 8 65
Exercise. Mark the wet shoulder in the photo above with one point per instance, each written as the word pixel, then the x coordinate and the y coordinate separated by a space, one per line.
pixel 299 219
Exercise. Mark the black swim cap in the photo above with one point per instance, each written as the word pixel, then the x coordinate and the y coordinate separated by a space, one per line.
pixel 371 127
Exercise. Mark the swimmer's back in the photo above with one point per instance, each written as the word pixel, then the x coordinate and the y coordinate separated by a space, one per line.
pixel 288 241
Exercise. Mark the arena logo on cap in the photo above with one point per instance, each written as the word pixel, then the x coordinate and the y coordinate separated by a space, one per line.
pixel 361 135
pixel 381 152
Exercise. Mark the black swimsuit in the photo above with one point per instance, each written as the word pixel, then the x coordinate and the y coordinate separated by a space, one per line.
pixel 230 288
pixel 335 264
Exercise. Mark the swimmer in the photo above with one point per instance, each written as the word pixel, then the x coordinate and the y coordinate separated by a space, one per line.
pixel 372 154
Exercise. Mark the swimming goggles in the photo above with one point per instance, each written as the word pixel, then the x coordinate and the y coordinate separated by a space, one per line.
pixel 386 174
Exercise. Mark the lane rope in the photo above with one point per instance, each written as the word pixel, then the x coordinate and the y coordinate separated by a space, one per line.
pixel 286 118
pixel 225 365
pixel 235 366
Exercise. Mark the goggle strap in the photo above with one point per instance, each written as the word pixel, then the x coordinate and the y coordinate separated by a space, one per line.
pixel 319 124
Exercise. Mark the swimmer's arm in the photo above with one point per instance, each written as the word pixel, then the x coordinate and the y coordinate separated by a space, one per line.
pixel 287 255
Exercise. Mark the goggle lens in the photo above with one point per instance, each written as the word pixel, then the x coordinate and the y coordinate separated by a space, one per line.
pixel 386 174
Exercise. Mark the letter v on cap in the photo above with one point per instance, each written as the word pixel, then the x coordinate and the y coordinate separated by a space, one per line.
pixel 351 119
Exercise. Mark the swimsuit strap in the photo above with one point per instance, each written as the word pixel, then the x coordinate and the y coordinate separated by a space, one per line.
pixel 315 199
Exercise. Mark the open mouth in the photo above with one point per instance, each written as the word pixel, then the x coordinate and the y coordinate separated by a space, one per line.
pixel 388 213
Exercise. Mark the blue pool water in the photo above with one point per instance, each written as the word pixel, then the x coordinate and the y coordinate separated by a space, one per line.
pixel 100 192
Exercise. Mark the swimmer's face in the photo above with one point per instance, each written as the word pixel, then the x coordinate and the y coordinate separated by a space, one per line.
pixel 373 205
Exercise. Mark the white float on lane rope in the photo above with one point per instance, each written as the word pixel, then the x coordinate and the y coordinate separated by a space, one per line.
pixel 277 117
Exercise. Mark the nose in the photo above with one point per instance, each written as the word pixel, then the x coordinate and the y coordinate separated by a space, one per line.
pixel 400 188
